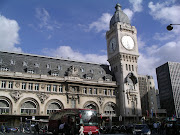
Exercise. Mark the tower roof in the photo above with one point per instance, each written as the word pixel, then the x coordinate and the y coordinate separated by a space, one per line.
pixel 119 16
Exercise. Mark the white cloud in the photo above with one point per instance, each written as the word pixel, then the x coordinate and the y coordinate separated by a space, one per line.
pixel 166 13
pixel 9 35
pixel 163 36
pixel 102 24
pixel 137 5
pixel 154 56
pixel 141 43
pixel 45 20
pixel 67 52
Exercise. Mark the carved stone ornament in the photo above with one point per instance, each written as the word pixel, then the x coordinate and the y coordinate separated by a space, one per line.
pixel 72 71
pixel 42 97
pixel 16 95
pixel 100 100
pixel 17 84
pixel 42 86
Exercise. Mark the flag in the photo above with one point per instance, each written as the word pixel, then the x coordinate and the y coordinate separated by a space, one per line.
pixel 151 113
pixel 156 113
pixel 147 113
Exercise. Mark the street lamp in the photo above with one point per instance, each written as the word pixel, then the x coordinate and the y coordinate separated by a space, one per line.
pixel 170 27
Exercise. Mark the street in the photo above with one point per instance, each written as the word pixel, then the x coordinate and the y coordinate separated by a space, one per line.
pixel 18 133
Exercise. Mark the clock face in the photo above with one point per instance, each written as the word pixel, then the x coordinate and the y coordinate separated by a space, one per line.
pixel 128 42
pixel 112 45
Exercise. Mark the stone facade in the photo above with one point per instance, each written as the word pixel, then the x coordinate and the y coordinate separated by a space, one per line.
pixel 36 85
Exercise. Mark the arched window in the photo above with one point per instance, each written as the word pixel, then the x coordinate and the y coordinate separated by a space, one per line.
pixel 29 108
pixel 91 105
pixel 53 107
pixel 109 109
pixel 4 107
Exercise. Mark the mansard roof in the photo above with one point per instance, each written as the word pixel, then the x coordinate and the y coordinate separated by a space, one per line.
pixel 43 65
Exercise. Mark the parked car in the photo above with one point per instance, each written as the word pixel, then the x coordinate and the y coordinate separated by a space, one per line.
pixel 140 129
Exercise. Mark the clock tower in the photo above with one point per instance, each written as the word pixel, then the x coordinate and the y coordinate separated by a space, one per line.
pixel 122 50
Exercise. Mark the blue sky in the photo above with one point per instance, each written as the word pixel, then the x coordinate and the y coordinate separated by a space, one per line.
pixel 75 29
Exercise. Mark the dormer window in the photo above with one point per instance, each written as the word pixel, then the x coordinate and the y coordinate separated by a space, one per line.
pixel 82 70
pixel 108 78
pixel 59 67
pixel 55 74
pixel 30 71
pixel 4 69
pixel 88 77
pixel 12 62
pixel 24 63
pixel 48 66
pixel 91 71
pixel 101 72
pixel 36 64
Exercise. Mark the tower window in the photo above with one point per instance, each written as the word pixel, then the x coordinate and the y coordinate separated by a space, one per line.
pixel 132 68
pixel 126 67
pixel 129 67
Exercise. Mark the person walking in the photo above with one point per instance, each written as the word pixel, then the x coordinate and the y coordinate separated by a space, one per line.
pixel 81 130
pixel 37 128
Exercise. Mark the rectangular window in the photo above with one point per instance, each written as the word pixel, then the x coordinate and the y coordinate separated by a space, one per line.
pixel 48 87
pixel 90 90
pixel 109 92
pixel 10 86
pixel 60 89
pixel 3 84
pixel 105 92
pixel 114 93
pixel 95 91
pixel 36 86
pixel 85 90
pixel 23 85
pixel 54 88
pixel 30 86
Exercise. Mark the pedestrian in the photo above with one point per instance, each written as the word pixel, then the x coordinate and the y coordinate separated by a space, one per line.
pixel 37 128
pixel 81 130
pixel 155 126
pixel 61 128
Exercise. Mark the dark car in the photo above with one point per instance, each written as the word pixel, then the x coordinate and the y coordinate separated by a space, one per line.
pixel 141 129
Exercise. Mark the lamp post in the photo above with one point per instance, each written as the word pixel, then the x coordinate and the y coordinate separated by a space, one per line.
pixel 170 27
